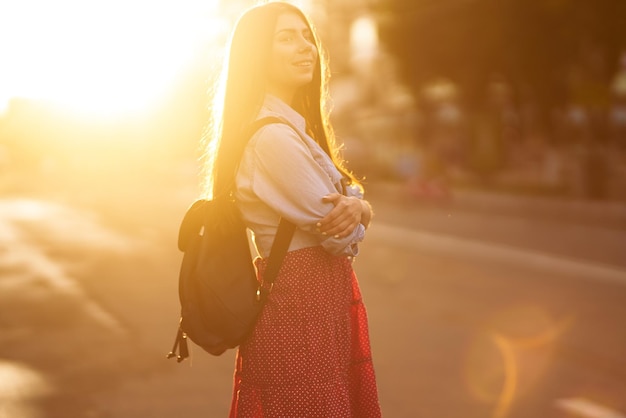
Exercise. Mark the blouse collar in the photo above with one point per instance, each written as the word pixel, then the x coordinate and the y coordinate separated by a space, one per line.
pixel 276 105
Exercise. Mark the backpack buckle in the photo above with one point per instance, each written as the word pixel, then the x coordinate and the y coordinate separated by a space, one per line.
pixel 262 291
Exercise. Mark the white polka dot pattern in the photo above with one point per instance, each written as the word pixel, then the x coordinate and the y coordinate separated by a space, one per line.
pixel 309 355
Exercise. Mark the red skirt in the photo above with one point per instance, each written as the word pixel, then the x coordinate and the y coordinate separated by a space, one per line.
pixel 309 355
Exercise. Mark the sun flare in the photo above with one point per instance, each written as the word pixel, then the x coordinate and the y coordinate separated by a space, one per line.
pixel 102 57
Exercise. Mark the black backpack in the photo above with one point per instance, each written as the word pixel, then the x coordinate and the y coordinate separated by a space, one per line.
pixel 219 294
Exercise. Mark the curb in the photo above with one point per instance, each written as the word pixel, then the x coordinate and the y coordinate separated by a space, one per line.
pixel 608 214
pixel 481 250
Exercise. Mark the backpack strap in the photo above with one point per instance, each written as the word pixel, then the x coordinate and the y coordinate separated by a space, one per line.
pixel 259 123
pixel 285 230
pixel 279 249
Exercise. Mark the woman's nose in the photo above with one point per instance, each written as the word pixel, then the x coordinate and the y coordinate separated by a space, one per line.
pixel 306 45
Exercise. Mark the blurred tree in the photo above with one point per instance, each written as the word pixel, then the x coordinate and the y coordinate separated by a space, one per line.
pixel 533 44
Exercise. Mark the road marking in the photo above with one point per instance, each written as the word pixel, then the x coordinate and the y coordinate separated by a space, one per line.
pixel 480 250
pixel 584 408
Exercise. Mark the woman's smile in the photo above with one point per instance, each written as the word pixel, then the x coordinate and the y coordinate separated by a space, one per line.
pixel 304 63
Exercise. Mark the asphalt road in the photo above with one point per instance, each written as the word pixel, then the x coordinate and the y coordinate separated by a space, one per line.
pixel 472 314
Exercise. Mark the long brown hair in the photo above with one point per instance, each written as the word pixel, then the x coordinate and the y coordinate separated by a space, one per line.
pixel 242 91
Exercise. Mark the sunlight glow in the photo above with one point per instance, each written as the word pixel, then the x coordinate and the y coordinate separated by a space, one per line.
pixel 363 40
pixel 111 56
pixel 20 386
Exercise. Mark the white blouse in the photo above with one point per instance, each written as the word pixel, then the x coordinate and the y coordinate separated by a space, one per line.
pixel 285 173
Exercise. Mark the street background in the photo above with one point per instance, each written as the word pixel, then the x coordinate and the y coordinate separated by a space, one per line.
pixel 493 151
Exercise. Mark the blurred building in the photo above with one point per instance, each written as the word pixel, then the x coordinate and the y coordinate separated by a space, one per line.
pixel 373 112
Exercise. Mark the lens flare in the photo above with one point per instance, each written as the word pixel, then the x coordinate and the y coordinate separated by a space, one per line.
pixel 509 357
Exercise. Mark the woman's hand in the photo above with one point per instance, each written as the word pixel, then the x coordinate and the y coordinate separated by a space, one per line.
pixel 345 216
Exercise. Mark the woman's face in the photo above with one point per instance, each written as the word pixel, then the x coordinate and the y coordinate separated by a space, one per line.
pixel 293 57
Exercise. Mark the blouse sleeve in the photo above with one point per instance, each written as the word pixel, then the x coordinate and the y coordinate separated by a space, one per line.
pixel 354 191
pixel 292 183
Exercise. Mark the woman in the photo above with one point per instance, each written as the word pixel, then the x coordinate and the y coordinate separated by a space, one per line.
pixel 309 355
